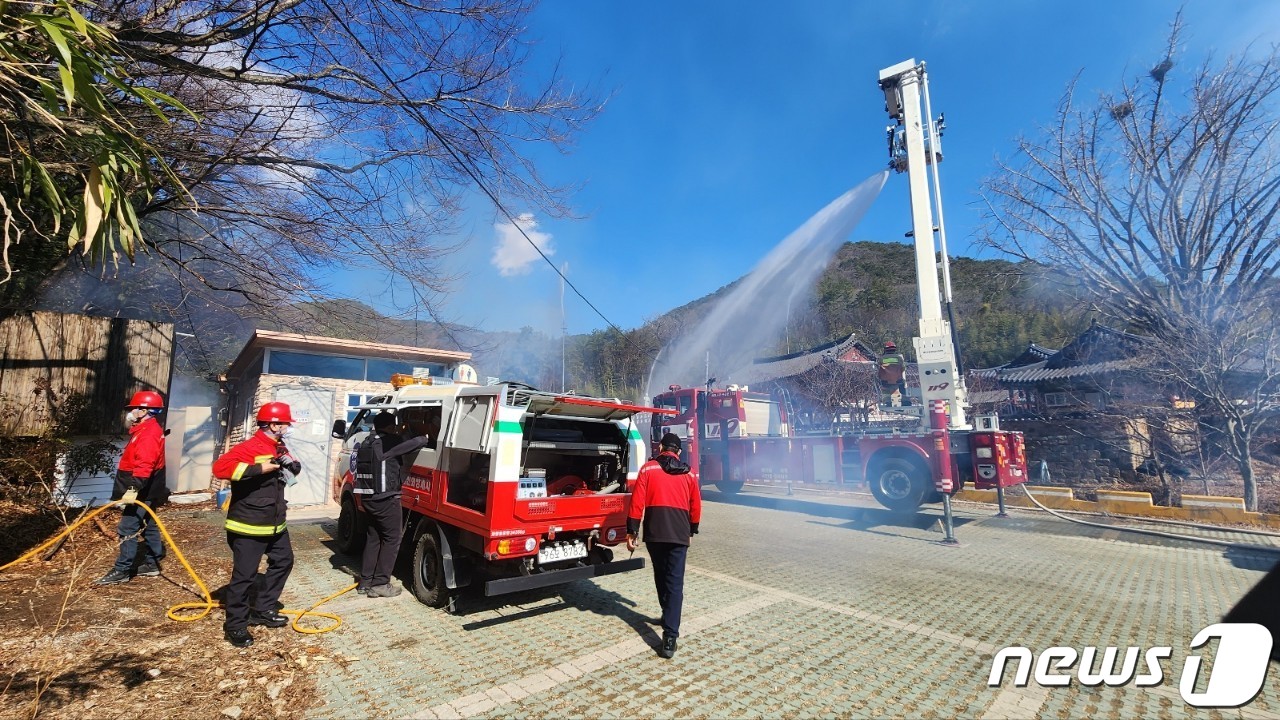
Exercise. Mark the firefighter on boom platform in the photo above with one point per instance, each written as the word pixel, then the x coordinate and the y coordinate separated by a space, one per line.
pixel 259 469
pixel 892 372
pixel 666 496
pixel 381 467
pixel 141 477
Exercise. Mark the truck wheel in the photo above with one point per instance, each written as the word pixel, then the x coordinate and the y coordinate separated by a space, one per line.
pixel 428 571
pixel 729 488
pixel 899 484
pixel 352 526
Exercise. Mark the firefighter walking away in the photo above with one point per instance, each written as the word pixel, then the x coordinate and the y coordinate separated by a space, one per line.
pixel 666 498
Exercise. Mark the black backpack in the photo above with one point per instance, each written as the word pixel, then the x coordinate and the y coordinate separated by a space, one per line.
pixel 368 471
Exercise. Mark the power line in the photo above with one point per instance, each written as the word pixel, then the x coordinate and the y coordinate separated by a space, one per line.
pixel 466 167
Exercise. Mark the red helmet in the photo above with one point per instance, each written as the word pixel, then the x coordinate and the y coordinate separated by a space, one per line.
pixel 148 399
pixel 890 346
pixel 275 412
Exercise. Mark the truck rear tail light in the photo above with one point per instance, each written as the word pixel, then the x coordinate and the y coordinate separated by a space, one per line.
pixel 508 546
pixel 981 439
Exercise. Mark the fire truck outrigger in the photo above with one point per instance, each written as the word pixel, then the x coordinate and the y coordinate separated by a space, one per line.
pixel 736 436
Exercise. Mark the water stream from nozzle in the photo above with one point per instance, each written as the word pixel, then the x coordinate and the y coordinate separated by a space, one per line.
pixel 749 319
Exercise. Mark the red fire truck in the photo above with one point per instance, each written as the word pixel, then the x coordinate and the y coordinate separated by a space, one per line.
pixel 527 488
pixel 736 436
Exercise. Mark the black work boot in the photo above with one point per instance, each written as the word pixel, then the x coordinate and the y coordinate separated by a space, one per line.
pixel 268 619
pixel 240 638
pixel 668 649
pixel 114 577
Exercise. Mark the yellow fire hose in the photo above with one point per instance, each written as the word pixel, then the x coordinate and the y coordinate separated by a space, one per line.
pixel 208 605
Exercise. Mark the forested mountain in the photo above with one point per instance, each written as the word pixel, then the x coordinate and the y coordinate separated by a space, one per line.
pixel 999 306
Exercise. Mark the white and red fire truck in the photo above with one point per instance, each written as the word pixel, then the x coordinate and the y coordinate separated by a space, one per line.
pixel 522 487
pixel 735 436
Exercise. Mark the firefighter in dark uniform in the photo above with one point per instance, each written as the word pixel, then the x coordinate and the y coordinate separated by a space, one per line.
pixel 666 496
pixel 381 467
pixel 259 469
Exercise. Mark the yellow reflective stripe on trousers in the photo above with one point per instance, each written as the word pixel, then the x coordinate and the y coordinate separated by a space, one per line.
pixel 246 529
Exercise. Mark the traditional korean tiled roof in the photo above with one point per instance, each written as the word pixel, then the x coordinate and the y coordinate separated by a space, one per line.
pixel 1032 355
pixel 1041 373
pixel 1096 351
pixel 764 369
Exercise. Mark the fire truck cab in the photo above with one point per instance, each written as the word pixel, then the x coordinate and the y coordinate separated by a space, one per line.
pixel 523 487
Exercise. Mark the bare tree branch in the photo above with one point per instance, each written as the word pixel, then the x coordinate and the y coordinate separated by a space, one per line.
pixel 1163 200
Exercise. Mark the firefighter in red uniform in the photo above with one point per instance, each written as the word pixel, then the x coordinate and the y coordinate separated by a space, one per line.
pixel 140 476
pixel 666 496
pixel 259 470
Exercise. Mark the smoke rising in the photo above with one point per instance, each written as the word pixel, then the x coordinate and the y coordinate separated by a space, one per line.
pixel 753 315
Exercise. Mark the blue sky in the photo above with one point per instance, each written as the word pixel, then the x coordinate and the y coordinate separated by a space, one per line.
pixel 730 123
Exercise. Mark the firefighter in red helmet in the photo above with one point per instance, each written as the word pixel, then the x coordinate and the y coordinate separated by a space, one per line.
pixel 139 476
pixel 259 469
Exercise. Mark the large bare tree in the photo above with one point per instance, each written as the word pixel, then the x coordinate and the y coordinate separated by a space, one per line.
pixel 1162 198
pixel 335 133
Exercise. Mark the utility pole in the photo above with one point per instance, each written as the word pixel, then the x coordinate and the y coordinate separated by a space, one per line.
pixel 564 326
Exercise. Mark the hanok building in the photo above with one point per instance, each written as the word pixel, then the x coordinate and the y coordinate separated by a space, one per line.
pixel 827 386
pixel 322 379
pixel 1087 409
pixel 1089 374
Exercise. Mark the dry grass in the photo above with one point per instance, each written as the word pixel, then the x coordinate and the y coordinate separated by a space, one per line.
pixel 69 649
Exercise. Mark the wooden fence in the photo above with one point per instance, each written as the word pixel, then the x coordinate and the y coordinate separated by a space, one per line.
pixel 78 370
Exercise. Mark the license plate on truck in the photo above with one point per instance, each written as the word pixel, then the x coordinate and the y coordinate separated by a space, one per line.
pixel 561 551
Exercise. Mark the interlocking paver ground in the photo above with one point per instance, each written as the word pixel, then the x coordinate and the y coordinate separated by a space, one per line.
pixel 798 607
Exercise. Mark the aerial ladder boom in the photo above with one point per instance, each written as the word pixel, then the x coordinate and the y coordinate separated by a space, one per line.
pixel 913 151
